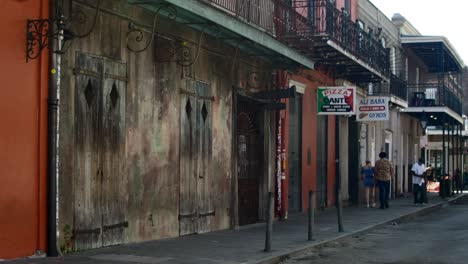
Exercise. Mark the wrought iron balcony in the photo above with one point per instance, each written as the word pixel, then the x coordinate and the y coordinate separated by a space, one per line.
pixel 333 24
pixel 259 13
pixel 434 95
pixel 307 26
pixel 307 32
pixel 397 88
pixel 275 17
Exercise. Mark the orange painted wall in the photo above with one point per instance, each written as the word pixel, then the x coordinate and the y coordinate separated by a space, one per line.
pixel 312 80
pixel 23 134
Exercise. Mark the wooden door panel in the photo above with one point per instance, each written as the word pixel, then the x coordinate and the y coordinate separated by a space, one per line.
pixel 88 173
pixel 188 214
pixel 205 208
pixel 114 182
pixel 196 210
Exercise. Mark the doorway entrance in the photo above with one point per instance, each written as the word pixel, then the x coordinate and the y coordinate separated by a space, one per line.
pixel 196 208
pixel 249 159
pixel 100 204
pixel 295 153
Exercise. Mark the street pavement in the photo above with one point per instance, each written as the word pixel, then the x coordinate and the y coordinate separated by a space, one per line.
pixel 246 244
pixel 439 237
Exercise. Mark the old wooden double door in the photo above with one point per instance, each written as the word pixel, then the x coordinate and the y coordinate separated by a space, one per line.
pixel 196 209
pixel 100 196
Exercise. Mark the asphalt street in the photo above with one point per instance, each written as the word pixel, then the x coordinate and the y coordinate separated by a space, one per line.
pixel 439 237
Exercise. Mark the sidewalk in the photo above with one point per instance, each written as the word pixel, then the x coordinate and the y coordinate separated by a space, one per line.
pixel 246 245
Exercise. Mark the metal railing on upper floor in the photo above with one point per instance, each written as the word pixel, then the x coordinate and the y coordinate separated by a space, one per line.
pixel 300 23
pixel 433 95
pixel 338 26
pixel 397 88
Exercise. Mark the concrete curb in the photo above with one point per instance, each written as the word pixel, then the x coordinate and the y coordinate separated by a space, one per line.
pixel 283 255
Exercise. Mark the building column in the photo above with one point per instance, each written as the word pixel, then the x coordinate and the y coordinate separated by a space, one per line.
pixel 442 171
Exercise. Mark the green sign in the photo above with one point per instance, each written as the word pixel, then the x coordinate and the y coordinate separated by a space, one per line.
pixel 338 100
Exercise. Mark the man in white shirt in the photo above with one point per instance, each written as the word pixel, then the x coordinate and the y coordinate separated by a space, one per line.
pixel 419 184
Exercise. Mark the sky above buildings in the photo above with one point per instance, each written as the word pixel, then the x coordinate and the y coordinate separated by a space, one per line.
pixel 434 18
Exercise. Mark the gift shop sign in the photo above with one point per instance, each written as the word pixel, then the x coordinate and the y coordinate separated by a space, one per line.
pixel 336 100
pixel 372 109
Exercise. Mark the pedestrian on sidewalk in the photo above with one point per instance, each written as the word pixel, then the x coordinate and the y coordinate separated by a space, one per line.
pixel 383 175
pixel 419 183
pixel 458 181
pixel 367 176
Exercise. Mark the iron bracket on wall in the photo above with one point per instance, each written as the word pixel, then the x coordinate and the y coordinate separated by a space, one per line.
pixel 179 52
pixel 137 35
pixel 40 31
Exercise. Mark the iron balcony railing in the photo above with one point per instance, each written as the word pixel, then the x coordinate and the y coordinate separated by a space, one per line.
pixel 433 95
pixel 299 23
pixel 256 12
pixel 338 26
pixel 397 88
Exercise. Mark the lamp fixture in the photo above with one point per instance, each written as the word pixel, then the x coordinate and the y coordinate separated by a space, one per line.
pixel 424 121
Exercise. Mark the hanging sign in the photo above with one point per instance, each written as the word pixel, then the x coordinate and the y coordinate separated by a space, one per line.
pixel 373 108
pixel 423 142
pixel 339 100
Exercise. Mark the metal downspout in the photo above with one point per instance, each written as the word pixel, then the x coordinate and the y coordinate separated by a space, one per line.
pixel 52 137
pixel 338 175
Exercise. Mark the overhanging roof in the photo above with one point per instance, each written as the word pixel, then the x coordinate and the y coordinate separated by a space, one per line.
pixel 441 113
pixel 431 49
pixel 195 13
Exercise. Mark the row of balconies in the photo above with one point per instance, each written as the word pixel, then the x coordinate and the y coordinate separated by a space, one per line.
pixel 306 24
pixel 420 95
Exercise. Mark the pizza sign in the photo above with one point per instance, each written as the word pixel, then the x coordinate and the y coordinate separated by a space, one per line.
pixel 336 100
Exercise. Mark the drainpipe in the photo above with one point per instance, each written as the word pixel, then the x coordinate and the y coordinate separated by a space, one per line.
pixel 338 175
pixel 52 130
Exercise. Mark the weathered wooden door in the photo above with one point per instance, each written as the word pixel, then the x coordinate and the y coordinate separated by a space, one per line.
pixel 294 154
pixel 196 209
pixel 249 161
pixel 100 181
pixel 88 170
pixel 114 180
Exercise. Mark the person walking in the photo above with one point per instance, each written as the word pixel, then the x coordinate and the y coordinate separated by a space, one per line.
pixel 419 183
pixel 383 175
pixel 367 176
pixel 458 181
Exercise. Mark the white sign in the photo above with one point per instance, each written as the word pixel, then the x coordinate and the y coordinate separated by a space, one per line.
pixel 373 108
pixel 423 141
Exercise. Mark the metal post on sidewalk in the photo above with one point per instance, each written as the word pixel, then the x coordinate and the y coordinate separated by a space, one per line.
pixel 340 212
pixel 269 227
pixel 311 216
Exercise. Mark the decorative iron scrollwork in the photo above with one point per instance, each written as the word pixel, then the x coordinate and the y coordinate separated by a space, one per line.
pixel 80 18
pixel 37 37
pixel 40 31
pixel 137 35
pixel 179 51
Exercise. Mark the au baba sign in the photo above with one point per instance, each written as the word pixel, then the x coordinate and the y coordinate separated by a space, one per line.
pixel 373 108
pixel 338 100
